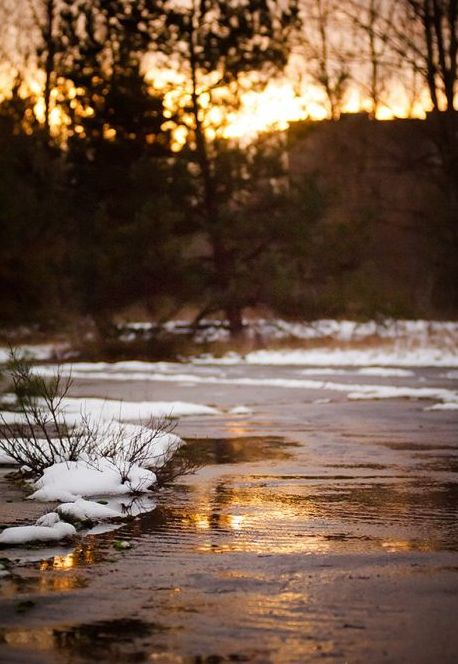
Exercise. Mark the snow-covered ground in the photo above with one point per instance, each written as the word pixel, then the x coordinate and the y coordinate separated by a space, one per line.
pixel 276 329
pixel 74 409
pixel 230 371
pixel 376 358
pixel 38 352
pixel 411 335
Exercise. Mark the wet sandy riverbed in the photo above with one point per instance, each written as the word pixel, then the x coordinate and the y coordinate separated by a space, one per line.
pixel 314 532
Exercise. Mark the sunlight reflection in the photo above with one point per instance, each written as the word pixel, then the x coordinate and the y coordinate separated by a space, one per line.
pixel 83 554
pixel 60 562
pixel 40 638
pixel 199 521
pixel 263 521
pixel 60 583
pixel 396 546
pixel 237 428
pixel 235 521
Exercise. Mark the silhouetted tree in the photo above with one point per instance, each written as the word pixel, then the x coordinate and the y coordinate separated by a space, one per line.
pixel 117 153
pixel 34 276
pixel 374 23
pixel 326 50
pixel 218 46
pixel 268 230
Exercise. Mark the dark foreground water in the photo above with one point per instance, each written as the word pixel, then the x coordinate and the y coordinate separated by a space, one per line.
pixel 314 532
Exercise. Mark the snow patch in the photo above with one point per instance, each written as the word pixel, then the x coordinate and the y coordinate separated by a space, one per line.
pixel 72 480
pixel 421 357
pixel 6 460
pixel 354 391
pixel 38 352
pixel 448 405
pixel 389 392
pixel 122 411
pixel 385 372
pixel 86 510
pixel 47 529
pixel 240 410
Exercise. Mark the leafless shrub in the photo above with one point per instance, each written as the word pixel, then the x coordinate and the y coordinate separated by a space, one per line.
pixel 176 464
pixel 43 437
pixel 126 446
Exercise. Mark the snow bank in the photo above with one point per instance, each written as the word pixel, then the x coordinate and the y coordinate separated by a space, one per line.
pixel 420 357
pixel 385 372
pixel 240 410
pixel 6 460
pixel 47 529
pixel 72 480
pixel 118 464
pixel 382 372
pixel 278 329
pixel 39 352
pixel 389 392
pixel 86 510
pixel 124 411
pixel 448 405
pixel 11 417
pixel 74 410
pixel 54 526
pixel 354 391
pixel 451 375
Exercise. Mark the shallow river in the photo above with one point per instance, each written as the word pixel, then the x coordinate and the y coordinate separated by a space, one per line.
pixel 318 529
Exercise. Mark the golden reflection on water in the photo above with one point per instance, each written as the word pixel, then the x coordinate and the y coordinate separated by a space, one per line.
pixel 236 520
pixel 304 545
pixel 58 572
pixel 197 520
pixel 39 638
pixel 59 562
pixel 83 554
pixel 395 546
pixel 60 583
pixel 238 428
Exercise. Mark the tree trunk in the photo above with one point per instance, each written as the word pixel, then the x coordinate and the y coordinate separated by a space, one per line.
pixel 234 317
pixel 221 262
pixel 48 39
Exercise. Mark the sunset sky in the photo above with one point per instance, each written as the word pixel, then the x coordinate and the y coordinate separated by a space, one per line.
pixel 294 96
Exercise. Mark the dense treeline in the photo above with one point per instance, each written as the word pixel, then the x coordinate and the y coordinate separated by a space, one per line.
pixel 94 228
pixel 100 211
pixel 103 213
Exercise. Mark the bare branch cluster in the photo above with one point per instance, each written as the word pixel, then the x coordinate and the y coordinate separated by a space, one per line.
pixel 126 447
pixel 44 438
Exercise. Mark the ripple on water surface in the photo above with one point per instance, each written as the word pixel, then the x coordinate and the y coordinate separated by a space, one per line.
pixel 236 551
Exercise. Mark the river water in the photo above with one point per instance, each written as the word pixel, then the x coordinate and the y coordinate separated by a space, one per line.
pixel 318 529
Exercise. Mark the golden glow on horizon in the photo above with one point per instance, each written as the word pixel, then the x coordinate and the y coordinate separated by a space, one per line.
pixel 278 105
pixel 274 108
pixel 269 110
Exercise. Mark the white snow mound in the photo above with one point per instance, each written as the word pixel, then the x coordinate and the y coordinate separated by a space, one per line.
pixel 54 532
pixel 87 510
pixel 71 480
